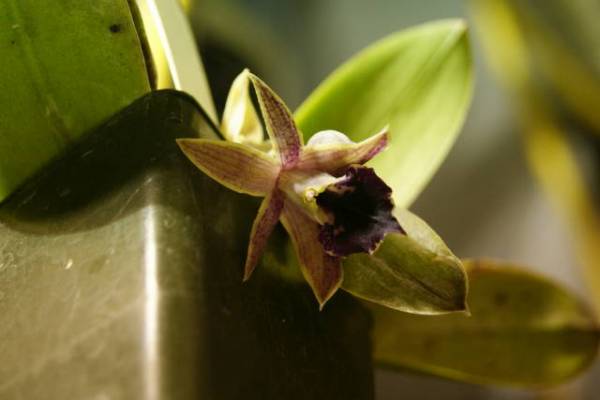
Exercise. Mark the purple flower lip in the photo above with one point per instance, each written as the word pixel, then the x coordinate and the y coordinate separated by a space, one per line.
pixel 361 209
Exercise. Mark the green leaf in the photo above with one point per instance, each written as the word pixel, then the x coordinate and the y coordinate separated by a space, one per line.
pixel 420 82
pixel 414 273
pixel 523 331
pixel 66 67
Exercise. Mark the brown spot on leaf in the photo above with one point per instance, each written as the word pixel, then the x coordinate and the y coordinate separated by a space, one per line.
pixel 115 28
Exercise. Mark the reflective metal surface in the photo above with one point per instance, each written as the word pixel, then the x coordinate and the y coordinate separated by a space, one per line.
pixel 120 278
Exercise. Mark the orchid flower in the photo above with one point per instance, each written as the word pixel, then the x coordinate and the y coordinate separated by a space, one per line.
pixel 329 203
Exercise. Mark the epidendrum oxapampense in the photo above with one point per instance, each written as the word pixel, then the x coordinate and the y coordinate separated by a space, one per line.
pixel 414 88
pixel 330 204
pixel 415 272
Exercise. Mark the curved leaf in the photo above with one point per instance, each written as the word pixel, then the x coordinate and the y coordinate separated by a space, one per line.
pixel 66 67
pixel 419 81
pixel 414 273
pixel 524 331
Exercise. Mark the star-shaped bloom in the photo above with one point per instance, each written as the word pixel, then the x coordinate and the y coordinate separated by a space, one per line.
pixel 329 203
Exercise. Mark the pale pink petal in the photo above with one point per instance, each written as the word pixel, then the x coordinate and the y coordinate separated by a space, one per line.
pixel 238 167
pixel 322 271
pixel 264 223
pixel 279 122
pixel 335 157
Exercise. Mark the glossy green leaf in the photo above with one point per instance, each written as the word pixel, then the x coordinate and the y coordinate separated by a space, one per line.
pixel 415 273
pixel 524 331
pixel 66 67
pixel 420 82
